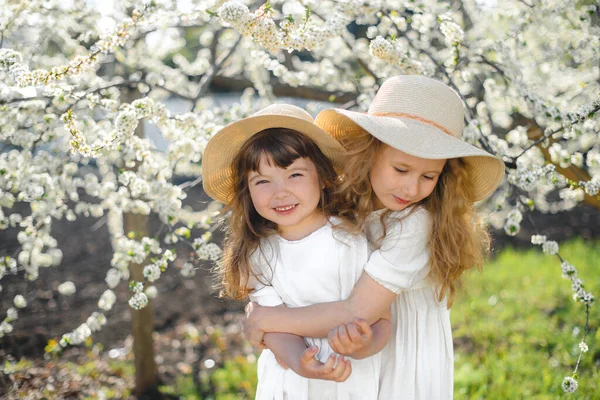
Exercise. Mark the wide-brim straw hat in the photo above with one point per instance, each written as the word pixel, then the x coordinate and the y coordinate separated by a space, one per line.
pixel 422 117
pixel 217 162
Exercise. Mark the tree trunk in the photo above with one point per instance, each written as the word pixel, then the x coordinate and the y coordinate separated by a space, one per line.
pixel 142 324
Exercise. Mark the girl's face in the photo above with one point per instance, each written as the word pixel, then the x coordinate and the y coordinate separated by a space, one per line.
pixel 399 179
pixel 288 197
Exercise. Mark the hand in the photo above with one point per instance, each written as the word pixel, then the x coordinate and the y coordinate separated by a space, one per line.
pixel 312 368
pixel 352 338
pixel 250 325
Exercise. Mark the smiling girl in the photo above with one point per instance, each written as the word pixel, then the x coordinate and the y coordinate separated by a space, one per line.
pixel 411 183
pixel 285 246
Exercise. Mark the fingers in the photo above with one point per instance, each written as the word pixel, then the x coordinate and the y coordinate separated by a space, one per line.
pixel 347 371
pixel 309 354
pixel 353 332
pixel 335 368
pixel 334 341
pixel 341 371
pixel 364 327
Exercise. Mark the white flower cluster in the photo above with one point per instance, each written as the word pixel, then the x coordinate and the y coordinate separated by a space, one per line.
pixel 138 301
pixel 452 32
pixel 66 288
pixel 7 265
pixel 6 327
pixel 188 270
pixel 395 54
pixel 209 251
pixel 527 177
pixel 19 301
pixel 151 292
pixel 568 271
pixel 78 336
pixel 12 60
pixel 290 34
pixel 107 300
pixel 591 187
pixel 569 385
pixel 96 321
pixel 512 226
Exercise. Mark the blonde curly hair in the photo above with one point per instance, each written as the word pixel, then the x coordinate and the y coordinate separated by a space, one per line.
pixel 458 241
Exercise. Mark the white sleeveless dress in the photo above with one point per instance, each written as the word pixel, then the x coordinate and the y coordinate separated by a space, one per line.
pixel 418 361
pixel 320 268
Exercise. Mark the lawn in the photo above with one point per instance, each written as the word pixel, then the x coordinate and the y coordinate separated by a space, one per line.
pixel 517 329
pixel 516 336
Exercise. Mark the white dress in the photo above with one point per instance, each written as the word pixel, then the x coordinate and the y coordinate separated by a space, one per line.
pixel 418 361
pixel 320 268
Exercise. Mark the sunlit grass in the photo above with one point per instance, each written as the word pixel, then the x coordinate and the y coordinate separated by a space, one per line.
pixel 517 329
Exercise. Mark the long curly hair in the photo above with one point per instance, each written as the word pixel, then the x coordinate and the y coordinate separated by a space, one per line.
pixel 458 239
pixel 245 227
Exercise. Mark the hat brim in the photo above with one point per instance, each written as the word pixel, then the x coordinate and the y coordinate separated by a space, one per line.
pixel 217 162
pixel 418 139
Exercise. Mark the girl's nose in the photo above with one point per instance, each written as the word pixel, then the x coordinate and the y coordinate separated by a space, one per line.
pixel 411 188
pixel 281 191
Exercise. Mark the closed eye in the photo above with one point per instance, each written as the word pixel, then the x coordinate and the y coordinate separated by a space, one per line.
pixel 260 182
pixel 429 177
pixel 400 170
pixel 295 175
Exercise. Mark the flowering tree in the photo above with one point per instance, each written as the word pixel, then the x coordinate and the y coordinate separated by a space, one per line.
pixel 77 81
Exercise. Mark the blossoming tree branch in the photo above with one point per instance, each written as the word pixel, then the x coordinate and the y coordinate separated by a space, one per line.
pixel 78 83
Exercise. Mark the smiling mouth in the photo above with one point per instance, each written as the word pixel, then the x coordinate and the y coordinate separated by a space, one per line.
pixel 285 208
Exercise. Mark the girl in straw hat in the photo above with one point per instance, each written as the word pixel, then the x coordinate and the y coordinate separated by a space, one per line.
pixel 275 171
pixel 412 183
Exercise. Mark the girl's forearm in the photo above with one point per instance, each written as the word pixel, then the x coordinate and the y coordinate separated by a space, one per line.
pixel 286 347
pixel 312 321
pixel 369 301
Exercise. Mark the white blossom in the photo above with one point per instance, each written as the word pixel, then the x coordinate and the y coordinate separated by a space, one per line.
pixel 538 239
pixel 20 301
pixel 138 301
pixel 151 292
pixel 188 270
pixel 107 300
pixel 569 385
pixel 151 272
pixel 209 251
pixel 96 321
pixel 66 288
pixel 550 247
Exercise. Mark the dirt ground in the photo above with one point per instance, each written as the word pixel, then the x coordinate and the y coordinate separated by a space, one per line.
pixel 87 254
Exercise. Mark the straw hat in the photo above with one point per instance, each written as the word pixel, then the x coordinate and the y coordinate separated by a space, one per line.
pixel 422 117
pixel 217 162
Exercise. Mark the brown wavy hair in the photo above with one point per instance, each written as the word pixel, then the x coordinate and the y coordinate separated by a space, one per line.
pixel 245 227
pixel 458 239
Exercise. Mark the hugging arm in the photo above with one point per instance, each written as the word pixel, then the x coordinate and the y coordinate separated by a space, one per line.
pixel 399 264
pixel 368 301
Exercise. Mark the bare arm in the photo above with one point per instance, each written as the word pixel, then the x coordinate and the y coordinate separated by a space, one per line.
pixel 369 301
pixel 291 350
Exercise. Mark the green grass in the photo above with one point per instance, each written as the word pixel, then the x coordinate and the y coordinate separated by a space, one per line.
pixel 517 329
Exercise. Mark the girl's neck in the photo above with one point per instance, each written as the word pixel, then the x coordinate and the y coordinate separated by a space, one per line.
pixel 302 230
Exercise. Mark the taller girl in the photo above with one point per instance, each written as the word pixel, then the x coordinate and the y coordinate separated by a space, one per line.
pixel 413 182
